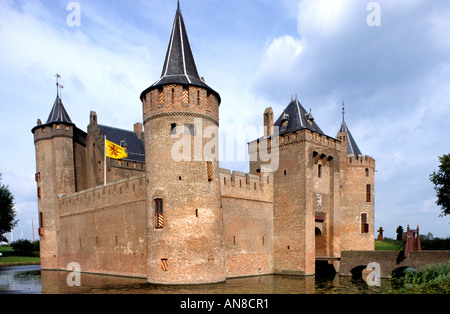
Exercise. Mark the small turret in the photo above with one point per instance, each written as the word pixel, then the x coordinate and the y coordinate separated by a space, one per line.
pixel 357 192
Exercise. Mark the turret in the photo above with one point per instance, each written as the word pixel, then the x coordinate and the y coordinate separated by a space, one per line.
pixel 357 194
pixel 184 210
pixel 55 176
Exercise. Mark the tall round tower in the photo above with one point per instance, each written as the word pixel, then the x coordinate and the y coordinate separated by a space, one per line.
pixel 55 176
pixel 184 209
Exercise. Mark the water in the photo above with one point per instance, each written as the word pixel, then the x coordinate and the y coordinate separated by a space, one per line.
pixel 31 280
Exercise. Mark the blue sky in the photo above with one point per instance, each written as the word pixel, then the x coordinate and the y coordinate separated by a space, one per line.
pixel 394 79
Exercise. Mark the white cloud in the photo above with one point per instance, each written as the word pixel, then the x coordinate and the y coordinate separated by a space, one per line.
pixel 323 17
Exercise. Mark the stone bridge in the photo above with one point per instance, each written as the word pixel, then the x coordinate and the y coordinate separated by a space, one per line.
pixel 353 262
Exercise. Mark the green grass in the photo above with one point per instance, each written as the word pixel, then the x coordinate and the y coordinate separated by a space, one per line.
pixel 9 258
pixel 388 245
pixel 427 244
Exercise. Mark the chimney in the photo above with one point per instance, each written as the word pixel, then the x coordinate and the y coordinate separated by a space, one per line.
pixel 268 122
pixel 93 118
pixel 139 130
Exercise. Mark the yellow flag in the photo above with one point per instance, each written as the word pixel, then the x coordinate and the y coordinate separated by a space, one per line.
pixel 115 151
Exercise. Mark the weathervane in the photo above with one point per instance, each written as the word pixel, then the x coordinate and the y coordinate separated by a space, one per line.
pixel 343 111
pixel 58 86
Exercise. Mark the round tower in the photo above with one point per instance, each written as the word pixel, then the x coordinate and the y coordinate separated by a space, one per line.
pixel 55 176
pixel 184 209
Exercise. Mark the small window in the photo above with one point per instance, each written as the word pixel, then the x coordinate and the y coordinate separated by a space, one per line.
pixel 209 170
pixel 165 264
pixel 39 194
pixel 41 220
pixel 364 224
pixel 189 129
pixel 319 171
pixel 173 96
pixel 368 193
pixel 173 129
pixel 185 95
pixel 38 176
pixel 161 96
pixel 58 126
pixel 224 181
pixel 367 172
pixel 159 214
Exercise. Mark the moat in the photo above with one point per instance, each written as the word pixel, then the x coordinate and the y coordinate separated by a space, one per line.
pixel 31 280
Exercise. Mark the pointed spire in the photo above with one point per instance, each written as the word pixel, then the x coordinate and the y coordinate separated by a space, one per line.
pixel 352 147
pixel 179 58
pixel 179 65
pixel 58 113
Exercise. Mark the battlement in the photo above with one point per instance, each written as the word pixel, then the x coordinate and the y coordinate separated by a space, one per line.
pixel 294 138
pixel 246 186
pixel 361 161
pixel 119 192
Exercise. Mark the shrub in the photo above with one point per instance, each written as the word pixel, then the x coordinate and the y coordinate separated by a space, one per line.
pixel 26 247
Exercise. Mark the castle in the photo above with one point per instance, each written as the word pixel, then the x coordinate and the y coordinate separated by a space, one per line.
pixel 188 221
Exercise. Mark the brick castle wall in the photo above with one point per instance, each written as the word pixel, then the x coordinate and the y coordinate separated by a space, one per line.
pixel 103 229
pixel 247 202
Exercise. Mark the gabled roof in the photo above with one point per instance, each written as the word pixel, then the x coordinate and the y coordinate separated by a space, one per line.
pixel 295 118
pixel 135 147
pixel 179 65
pixel 58 113
pixel 352 148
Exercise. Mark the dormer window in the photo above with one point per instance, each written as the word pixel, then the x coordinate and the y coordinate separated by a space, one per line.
pixel 284 120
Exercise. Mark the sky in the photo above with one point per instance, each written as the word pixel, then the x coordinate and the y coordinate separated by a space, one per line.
pixel 388 60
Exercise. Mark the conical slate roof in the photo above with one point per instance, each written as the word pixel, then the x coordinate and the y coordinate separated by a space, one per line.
pixel 352 148
pixel 58 113
pixel 295 118
pixel 179 65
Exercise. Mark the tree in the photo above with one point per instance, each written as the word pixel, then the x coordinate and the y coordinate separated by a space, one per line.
pixel 7 211
pixel 441 181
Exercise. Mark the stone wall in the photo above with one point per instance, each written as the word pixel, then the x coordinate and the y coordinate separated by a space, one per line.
pixel 103 229
pixel 248 223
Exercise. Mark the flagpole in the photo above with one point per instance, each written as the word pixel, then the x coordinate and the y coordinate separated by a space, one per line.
pixel 104 137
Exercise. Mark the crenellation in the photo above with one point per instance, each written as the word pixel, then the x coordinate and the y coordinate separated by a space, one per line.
pixel 113 193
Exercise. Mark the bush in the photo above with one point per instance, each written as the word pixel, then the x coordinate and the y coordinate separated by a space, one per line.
pixel 432 279
pixel 26 247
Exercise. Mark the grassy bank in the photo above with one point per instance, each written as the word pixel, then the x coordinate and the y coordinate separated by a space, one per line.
pixel 10 258
pixel 433 279
pixel 388 245
pixel 426 244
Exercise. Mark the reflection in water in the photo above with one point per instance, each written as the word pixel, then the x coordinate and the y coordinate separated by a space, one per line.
pixel 20 279
pixel 29 279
